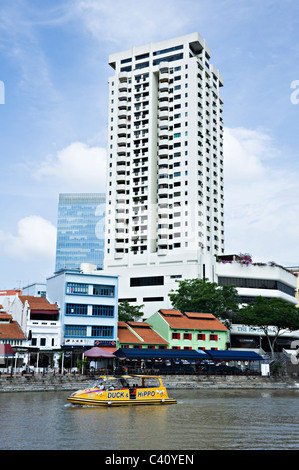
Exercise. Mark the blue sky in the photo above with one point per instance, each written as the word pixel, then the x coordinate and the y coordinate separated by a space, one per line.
pixel 53 122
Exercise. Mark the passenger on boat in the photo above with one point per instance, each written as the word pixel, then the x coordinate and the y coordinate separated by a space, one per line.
pixel 101 386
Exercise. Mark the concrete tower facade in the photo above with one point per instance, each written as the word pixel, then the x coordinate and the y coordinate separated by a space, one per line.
pixel 165 155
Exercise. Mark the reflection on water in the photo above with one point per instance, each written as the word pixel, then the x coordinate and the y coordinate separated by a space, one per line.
pixel 202 419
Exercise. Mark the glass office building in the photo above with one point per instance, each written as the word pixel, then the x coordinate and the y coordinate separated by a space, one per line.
pixel 80 230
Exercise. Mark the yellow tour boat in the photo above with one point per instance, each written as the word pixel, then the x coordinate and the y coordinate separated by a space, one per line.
pixel 123 390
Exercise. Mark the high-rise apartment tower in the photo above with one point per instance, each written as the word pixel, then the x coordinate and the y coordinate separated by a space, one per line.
pixel 165 154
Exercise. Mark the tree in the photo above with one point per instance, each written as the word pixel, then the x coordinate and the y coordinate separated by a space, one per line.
pixel 273 316
pixel 127 312
pixel 200 295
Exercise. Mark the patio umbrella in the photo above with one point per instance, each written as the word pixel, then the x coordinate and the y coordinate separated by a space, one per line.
pixel 98 352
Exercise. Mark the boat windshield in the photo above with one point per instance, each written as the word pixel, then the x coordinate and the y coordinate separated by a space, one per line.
pixel 106 384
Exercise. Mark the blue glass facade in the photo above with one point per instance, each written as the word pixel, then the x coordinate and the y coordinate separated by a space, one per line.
pixel 80 230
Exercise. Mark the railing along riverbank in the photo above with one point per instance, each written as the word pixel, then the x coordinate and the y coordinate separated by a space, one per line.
pixel 71 382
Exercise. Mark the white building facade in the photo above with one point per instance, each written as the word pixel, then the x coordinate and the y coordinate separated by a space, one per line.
pixel 151 286
pixel 165 155
pixel 88 304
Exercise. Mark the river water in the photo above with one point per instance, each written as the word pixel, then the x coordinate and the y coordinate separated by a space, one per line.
pixel 202 420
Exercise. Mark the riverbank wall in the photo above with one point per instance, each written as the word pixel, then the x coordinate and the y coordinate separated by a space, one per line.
pixel 76 382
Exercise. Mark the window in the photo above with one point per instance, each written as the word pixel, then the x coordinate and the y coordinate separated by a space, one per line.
pixel 147 281
pixel 76 309
pixel 102 331
pixel 75 330
pixel 142 56
pixel 103 310
pixel 187 336
pixel 43 341
pixel 125 61
pixel 126 69
pixel 170 49
pixel 142 65
pixel 201 336
pixel 153 299
pixel 103 291
pixel 176 335
pixel 75 288
pixel 256 284
pixel 213 337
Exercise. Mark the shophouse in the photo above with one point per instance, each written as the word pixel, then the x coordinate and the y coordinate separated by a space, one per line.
pixel 40 321
pixel 12 341
pixel 190 330
pixel 88 306
pixel 139 335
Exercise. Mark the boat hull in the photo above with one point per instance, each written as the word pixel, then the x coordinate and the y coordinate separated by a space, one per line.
pixel 130 402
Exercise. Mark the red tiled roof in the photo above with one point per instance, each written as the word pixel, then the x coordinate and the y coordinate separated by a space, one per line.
pixel 11 330
pixel 10 292
pixel 169 312
pixel 127 336
pixel 37 303
pixel 192 320
pixel 5 316
pixel 146 332
pixel 146 335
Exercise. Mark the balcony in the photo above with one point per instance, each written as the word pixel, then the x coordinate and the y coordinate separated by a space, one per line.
pixel 123 96
pixel 121 188
pixel 163 115
pixel 163 133
pixel 122 141
pixel 163 106
pixel 122 87
pixel 163 96
pixel 162 250
pixel 123 77
pixel 164 76
pixel 163 67
pixel 163 87
pixel 163 154
pixel 122 115
pixel 122 105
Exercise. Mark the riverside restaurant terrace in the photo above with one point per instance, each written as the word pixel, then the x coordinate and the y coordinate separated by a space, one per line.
pixel 175 361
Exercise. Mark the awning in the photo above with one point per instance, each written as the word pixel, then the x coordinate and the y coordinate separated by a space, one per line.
pixel 44 312
pixel 184 354
pixel 217 355
pixel 6 350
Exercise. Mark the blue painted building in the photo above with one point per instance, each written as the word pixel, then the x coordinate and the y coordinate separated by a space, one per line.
pixel 88 304
pixel 80 230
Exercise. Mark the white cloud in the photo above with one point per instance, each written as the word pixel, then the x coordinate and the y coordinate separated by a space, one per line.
pixel 261 202
pixel 76 168
pixel 35 240
pixel 126 22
